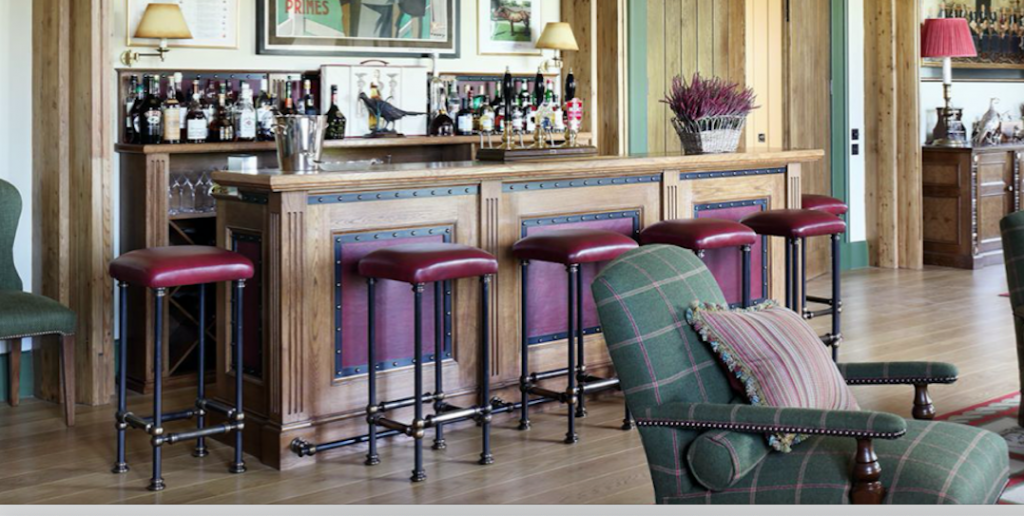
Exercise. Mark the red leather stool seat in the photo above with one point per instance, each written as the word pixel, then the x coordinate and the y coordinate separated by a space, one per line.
pixel 824 203
pixel 573 246
pixel 180 266
pixel 795 223
pixel 699 234
pixel 427 263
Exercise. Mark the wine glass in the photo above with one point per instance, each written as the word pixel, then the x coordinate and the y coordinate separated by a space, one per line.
pixel 188 196
pixel 174 197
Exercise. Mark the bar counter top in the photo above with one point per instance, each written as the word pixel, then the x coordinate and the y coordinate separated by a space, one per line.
pixel 363 176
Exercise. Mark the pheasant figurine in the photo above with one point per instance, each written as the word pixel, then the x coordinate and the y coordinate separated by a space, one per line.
pixel 987 131
pixel 382 110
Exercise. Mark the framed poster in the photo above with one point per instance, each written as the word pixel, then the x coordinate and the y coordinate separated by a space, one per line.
pixel 508 27
pixel 997 27
pixel 385 28
pixel 214 23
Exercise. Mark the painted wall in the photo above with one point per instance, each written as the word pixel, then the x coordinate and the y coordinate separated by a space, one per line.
pixel 16 125
pixel 857 164
pixel 971 95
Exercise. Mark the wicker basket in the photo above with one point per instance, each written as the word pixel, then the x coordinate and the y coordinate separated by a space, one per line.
pixel 720 135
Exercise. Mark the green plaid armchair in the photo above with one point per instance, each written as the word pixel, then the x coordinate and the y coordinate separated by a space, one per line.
pixel 704 444
pixel 1013 250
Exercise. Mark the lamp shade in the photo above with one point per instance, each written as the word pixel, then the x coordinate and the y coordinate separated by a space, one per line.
pixel 558 36
pixel 947 37
pixel 163 21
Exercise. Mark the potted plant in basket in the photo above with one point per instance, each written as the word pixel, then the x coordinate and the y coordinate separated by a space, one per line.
pixel 710 113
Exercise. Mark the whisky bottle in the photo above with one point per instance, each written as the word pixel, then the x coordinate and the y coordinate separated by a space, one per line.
pixel 172 114
pixel 133 109
pixel 336 121
pixel 221 128
pixel 265 111
pixel 151 119
pixel 308 102
pixel 465 119
pixel 197 126
pixel 288 104
pixel 245 116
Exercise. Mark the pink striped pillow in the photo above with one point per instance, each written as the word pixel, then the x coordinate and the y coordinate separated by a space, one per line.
pixel 778 358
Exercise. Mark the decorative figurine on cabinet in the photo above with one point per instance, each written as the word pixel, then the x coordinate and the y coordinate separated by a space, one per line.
pixel 383 114
pixel 987 131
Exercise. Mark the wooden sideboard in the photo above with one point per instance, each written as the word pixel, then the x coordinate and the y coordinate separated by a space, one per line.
pixel 308 336
pixel 966 193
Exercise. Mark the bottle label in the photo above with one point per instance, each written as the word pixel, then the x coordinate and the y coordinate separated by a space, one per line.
pixel 487 124
pixel 247 125
pixel 197 130
pixel 153 117
pixel 466 124
pixel 172 125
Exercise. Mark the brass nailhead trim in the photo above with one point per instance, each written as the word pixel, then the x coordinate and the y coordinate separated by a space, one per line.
pixel 698 425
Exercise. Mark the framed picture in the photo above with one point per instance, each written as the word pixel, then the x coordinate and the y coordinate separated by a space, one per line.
pixel 214 23
pixel 382 28
pixel 997 26
pixel 508 27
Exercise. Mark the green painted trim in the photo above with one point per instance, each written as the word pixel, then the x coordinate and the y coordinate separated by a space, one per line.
pixel 855 256
pixel 637 19
pixel 27 378
pixel 840 102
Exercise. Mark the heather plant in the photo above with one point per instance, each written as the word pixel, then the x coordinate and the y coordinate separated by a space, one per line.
pixel 701 99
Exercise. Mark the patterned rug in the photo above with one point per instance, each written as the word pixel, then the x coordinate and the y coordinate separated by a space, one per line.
pixel 1000 416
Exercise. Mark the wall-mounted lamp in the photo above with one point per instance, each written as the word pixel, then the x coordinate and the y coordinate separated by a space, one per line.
pixel 557 36
pixel 160 21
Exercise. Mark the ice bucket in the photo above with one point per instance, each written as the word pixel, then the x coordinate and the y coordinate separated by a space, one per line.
pixel 300 140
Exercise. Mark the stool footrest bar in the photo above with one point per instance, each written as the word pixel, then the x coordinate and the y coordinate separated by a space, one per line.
pixel 216 406
pixel 814 314
pixel 174 416
pixel 598 384
pixel 388 406
pixel 820 300
pixel 455 415
pixel 391 424
pixel 548 393
pixel 209 431
pixel 547 375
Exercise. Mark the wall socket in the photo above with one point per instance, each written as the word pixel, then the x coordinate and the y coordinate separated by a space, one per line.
pixel 856 134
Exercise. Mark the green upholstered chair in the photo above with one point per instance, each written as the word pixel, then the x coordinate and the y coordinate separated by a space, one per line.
pixel 1013 249
pixel 24 315
pixel 704 444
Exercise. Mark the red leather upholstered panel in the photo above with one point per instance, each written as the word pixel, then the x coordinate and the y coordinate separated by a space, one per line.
pixel 795 223
pixel 824 203
pixel 179 266
pixel 427 263
pixel 573 246
pixel 699 234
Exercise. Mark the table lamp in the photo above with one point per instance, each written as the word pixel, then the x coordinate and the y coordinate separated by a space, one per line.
pixel 160 21
pixel 557 36
pixel 947 38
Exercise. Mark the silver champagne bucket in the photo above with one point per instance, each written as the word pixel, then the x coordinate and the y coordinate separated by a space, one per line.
pixel 300 141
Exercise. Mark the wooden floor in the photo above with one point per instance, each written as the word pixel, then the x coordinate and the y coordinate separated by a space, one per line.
pixel 936 314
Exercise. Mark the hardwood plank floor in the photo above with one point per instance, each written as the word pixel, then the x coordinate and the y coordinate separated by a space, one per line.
pixel 935 314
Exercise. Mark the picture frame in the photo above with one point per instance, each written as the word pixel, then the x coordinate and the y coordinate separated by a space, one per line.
pixel 214 23
pixel 999 37
pixel 364 28
pixel 501 30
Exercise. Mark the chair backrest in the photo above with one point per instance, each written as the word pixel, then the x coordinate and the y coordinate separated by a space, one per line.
pixel 10 213
pixel 642 300
pixel 1013 250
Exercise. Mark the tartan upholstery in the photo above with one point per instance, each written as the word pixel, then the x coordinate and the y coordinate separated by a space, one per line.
pixel 1013 250
pixel 899 373
pixel 719 459
pixel 642 298
pixel 10 212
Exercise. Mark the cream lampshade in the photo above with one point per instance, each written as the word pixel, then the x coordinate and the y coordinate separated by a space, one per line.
pixel 557 36
pixel 159 21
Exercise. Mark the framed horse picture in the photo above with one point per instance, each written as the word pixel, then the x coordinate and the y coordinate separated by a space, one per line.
pixel 508 27
pixel 382 28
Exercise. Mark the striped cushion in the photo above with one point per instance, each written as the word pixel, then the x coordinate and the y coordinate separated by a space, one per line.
pixel 778 358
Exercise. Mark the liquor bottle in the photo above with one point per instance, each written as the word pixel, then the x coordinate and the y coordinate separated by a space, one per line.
pixel 487 118
pixel 172 114
pixel 221 127
pixel 336 122
pixel 498 104
pixel 453 100
pixel 288 104
pixel 233 97
pixel 196 123
pixel 151 120
pixel 518 117
pixel 210 97
pixel 442 124
pixel 265 112
pixel 524 95
pixel 465 119
pixel 308 102
pixel 538 88
pixel 245 116
pixel 570 86
pixel 132 108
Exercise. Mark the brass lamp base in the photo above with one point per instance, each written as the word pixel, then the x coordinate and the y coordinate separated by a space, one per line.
pixel 950 131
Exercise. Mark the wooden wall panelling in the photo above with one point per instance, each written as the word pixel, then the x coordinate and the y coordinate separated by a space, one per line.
pixel 612 77
pixel 71 168
pixel 763 62
pixel 582 15
pixel 657 43
pixel 808 120
pixel 909 164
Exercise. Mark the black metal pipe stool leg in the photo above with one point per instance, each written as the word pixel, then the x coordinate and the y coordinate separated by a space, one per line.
pixel 418 474
pixel 524 367
pixel 156 483
pixel 485 371
pixel 746 252
pixel 372 458
pixel 439 442
pixel 837 303
pixel 238 466
pixel 803 277
pixel 789 274
pixel 201 450
pixel 120 466
pixel 570 391
pixel 581 367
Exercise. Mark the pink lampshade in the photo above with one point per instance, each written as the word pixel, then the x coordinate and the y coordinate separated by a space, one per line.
pixel 947 37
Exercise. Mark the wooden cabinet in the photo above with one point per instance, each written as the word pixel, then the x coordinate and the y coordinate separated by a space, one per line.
pixel 966 193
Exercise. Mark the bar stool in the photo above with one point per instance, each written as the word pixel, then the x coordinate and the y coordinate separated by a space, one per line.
pixel 835 207
pixel 160 269
pixel 571 248
pixel 418 265
pixel 702 235
pixel 796 226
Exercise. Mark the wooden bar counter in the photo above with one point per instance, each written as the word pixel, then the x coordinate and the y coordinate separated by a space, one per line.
pixel 305 320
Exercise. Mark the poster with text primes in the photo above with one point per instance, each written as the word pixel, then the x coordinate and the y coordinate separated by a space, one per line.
pixel 213 23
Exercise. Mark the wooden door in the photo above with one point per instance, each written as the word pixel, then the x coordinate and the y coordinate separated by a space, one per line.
pixel 808 109
pixel 996 192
